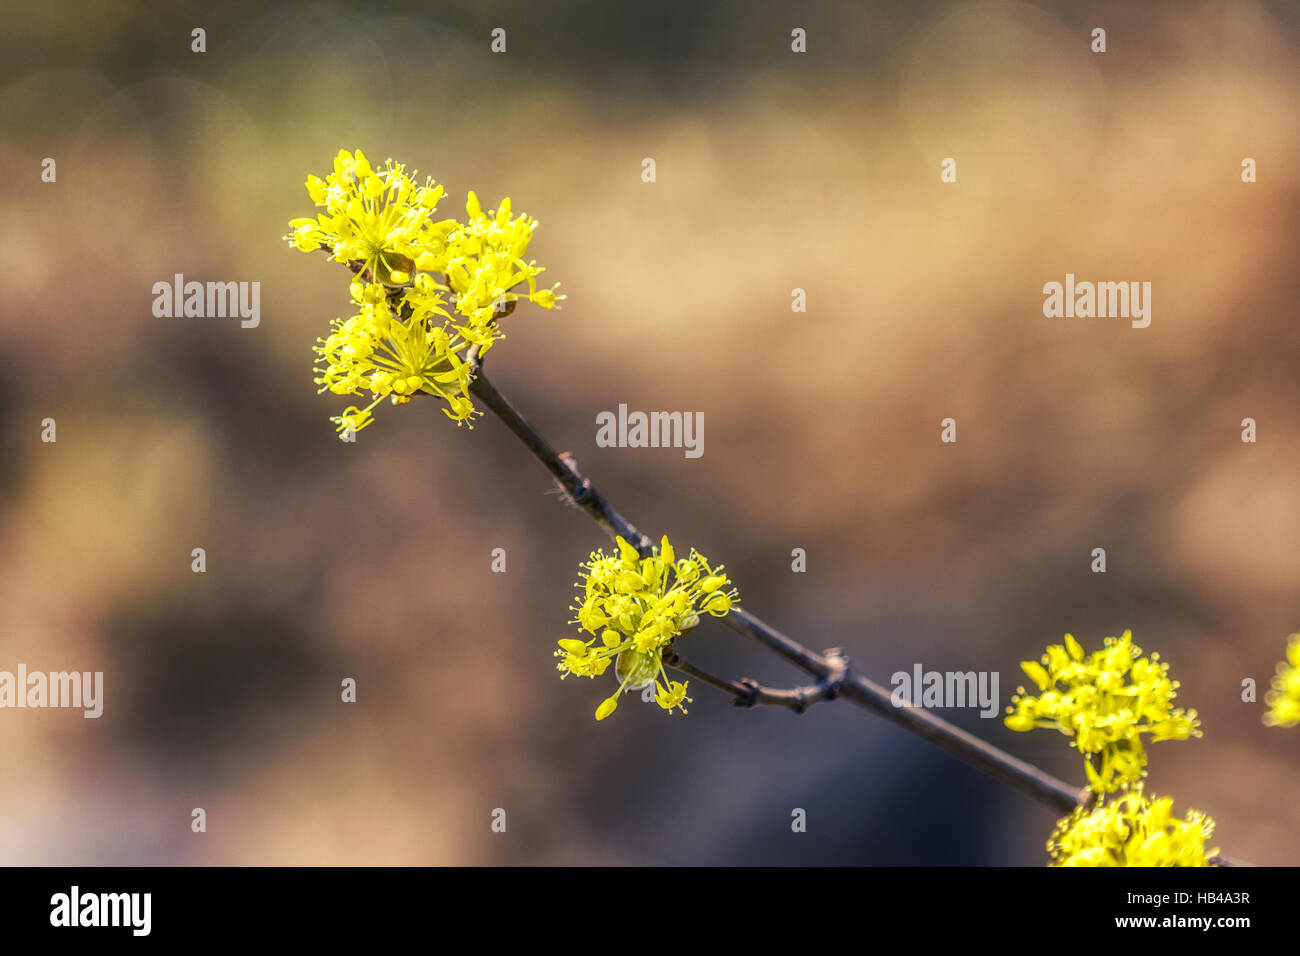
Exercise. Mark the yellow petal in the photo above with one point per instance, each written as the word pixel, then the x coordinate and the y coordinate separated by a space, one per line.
pixel 626 550
pixel 1020 722
pixel 1037 673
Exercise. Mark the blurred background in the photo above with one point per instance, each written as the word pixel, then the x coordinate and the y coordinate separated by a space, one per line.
pixel 775 171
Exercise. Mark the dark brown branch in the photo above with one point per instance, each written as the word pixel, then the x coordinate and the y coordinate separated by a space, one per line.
pixel 750 693
pixel 563 468
pixel 1056 793
pixel 832 667
pixel 834 675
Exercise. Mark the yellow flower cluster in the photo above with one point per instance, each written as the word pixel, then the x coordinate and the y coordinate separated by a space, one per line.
pixel 485 263
pixel 425 289
pixel 1105 702
pixel 1132 831
pixel 636 607
pixel 376 351
pixel 1284 699
pixel 379 218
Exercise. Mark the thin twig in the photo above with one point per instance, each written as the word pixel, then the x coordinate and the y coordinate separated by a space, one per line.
pixel 750 693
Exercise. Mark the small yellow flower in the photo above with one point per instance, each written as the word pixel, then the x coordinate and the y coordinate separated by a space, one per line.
pixel 1104 702
pixel 636 607
pixel 353 419
pixel 579 660
pixel 1284 699
pixel 1131 830
pixel 671 695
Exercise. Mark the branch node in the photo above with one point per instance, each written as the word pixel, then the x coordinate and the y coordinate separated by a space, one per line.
pixel 750 698
pixel 578 487
pixel 837 663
